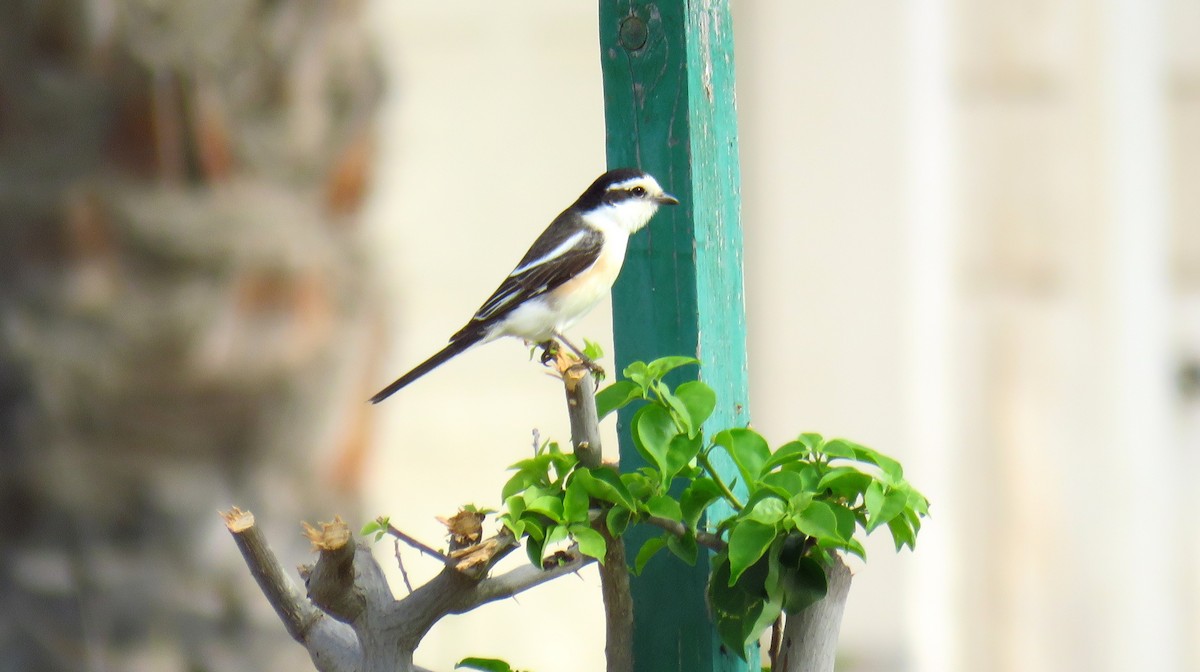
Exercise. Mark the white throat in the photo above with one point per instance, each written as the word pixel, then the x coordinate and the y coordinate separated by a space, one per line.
pixel 627 216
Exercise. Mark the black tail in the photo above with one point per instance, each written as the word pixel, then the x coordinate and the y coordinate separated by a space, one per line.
pixel 455 347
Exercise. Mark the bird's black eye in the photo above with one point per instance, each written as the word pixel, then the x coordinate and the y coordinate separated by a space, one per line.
pixel 638 191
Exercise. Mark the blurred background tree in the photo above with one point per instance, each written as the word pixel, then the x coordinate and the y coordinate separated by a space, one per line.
pixel 184 310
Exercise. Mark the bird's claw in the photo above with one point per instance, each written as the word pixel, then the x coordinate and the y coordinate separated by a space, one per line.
pixel 550 352
pixel 595 368
pixel 563 360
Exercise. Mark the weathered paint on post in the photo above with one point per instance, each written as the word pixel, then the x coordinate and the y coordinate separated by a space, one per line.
pixel 669 108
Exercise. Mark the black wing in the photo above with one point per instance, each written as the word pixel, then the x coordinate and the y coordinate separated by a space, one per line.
pixel 565 249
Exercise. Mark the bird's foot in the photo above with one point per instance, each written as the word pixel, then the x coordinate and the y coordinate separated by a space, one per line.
pixel 578 364
pixel 567 359
pixel 595 368
pixel 550 351
pixel 580 358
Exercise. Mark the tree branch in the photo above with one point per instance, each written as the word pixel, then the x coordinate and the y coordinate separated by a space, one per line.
pixel 427 550
pixel 521 579
pixel 618 604
pixel 331 645
pixel 674 527
pixel 373 631
pixel 330 581
pixel 580 387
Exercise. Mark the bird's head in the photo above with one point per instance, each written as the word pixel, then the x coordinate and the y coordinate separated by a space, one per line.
pixel 627 197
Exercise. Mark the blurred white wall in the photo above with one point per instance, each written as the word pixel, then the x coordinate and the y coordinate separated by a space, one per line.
pixel 972 241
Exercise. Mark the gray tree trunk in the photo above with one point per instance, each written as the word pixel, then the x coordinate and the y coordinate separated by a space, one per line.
pixel 810 637
pixel 180 299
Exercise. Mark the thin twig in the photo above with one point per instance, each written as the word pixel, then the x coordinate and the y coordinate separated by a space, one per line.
pixel 428 550
pixel 702 458
pixel 400 564
pixel 776 641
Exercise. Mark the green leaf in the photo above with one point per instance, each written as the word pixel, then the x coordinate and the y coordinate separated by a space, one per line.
pixel 604 483
pixel 684 547
pixel 377 527
pixel 485 664
pixel 811 440
pixel 883 504
pixel 551 507
pixel 678 411
pixel 556 534
pixel 818 520
pixel 810 474
pixel 804 585
pixel 517 527
pixel 534 529
pixel 539 464
pixel 653 430
pixel 889 466
pixel 846 520
pixel 515 504
pixel 767 613
pixel 616 396
pixel 914 520
pixel 793 451
pixel 767 510
pixel 680 451
pixel 591 543
pixel 737 606
pixel 592 350
pixel 846 482
pixel 856 548
pixel 696 498
pixel 800 501
pixel 747 543
pixel 839 448
pixel 639 483
pixel 617 520
pixel 664 365
pixel 773 588
pixel 563 463
pixel 916 501
pixel 533 549
pixel 653 545
pixel 639 373
pixel 576 503
pixel 748 449
pixel 664 506
pixel 521 481
pixel 902 534
pixel 698 400
pixel 850 450
pixel 784 483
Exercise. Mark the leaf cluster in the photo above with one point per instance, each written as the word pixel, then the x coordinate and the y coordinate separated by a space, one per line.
pixel 799 504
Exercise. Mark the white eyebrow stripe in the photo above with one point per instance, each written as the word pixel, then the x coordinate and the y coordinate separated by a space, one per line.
pixel 631 182
pixel 557 252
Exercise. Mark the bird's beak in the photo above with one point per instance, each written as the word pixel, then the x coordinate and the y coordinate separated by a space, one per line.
pixel 666 199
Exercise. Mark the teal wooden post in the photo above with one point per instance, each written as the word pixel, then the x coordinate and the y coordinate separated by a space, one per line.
pixel 669 109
